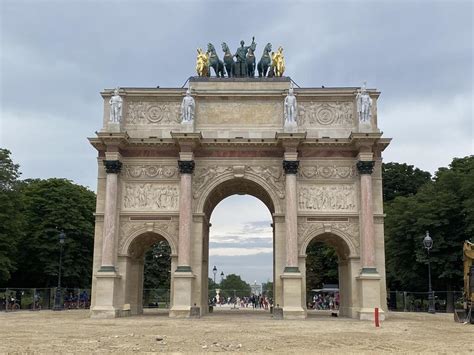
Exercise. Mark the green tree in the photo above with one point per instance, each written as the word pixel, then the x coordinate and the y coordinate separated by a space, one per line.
pixel 157 268
pixel 10 216
pixel 444 207
pixel 234 282
pixel 321 265
pixel 402 180
pixel 51 206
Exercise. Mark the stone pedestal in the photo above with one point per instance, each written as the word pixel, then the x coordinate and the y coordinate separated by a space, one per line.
pixel 187 127
pixel 369 296
pixel 106 287
pixel 113 127
pixel 182 294
pixel 292 297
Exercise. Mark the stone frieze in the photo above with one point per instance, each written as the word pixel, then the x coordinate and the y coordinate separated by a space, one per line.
pixel 150 197
pixel 320 171
pixel 149 112
pixel 150 171
pixel 326 114
pixel 337 198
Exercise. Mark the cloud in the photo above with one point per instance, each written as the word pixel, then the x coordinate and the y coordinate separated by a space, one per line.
pixel 238 251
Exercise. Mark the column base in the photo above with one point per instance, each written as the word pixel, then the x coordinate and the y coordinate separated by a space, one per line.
pixel 369 294
pixel 106 287
pixel 292 297
pixel 182 294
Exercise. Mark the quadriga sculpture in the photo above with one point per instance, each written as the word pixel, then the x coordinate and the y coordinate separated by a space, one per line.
pixel 228 60
pixel 202 63
pixel 265 61
pixel 251 60
pixel 214 61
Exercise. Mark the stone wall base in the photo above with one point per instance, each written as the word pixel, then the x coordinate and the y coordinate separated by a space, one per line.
pixel 292 295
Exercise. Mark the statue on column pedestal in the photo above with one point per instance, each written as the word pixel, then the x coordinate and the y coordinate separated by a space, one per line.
pixel 290 110
pixel 115 107
pixel 364 105
pixel 187 108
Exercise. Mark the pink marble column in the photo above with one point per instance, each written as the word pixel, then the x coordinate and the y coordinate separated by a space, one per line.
pixel 112 168
pixel 291 222
pixel 186 168
pixel 365 169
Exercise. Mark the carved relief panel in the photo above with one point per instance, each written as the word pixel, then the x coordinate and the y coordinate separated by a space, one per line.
pixel 336 114
pixel 150 171
pixel 150 197
pixel 273 175
pixel 328 198
pixel 327 171
pixel 152 113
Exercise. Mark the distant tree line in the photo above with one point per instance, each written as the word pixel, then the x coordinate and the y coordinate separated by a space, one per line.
pixel 34 211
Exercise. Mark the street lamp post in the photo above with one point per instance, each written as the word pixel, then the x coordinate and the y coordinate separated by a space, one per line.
pixel 222 276
pixel 58 306
pixel 428 244
pixel 214 270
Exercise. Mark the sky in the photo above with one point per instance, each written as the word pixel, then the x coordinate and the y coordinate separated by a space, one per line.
pixel 56 56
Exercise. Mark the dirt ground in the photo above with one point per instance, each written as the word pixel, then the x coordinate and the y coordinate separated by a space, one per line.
pixel 230 331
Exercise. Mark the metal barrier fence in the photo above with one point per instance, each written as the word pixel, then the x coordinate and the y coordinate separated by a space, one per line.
pixel 12 299
pixel 77 298
pixel 406 301
pixel 156 298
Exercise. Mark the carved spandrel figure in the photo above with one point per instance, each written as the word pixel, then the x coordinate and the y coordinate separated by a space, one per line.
pixel 115 107
pixel 364 105
pixel 187 108
pixel 291 108
pixel 241 55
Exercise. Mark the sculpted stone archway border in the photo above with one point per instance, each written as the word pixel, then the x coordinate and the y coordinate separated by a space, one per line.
pixel 148 228
pixel 245 175
pixel 317 230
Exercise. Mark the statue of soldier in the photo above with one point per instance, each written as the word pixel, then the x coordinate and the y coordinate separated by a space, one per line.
pixel 115 107
pixel 187 108
pixel 290 108
pixel 364 105
pixel 241 55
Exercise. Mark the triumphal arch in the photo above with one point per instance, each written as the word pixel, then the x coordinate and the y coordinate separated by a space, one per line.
pixel 168 156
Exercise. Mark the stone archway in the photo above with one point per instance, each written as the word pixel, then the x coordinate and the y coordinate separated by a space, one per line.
pixel 160 175
pixel 217 191
pixel 348 262
pixel 131 261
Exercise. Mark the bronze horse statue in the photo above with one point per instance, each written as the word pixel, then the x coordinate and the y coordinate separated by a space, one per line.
pixel 228 60
pixel 215 62
pixel 251 60
pixel 264 62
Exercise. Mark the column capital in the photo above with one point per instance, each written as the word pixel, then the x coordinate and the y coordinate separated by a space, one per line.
pixel 186 166
pixel 291 166
pixel 365 167
pixel 112 166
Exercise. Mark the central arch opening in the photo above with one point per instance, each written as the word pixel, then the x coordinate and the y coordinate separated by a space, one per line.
pixel 239 250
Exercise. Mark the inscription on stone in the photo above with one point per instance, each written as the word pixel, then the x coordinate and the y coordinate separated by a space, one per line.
pixel 326 113
pixel 341 197
pixel 244 112
pixel 150 197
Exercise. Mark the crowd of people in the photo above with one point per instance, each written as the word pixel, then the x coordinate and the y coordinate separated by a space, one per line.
pixel 323 301
pixel 253 301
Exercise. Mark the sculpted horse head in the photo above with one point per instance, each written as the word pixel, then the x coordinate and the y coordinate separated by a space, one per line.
pixel 225 48
pixel 210 48
pixel 267 49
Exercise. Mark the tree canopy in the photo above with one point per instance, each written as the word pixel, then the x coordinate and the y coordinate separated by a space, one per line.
pixel 445 208
pixel 11 219
pixel 157 269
